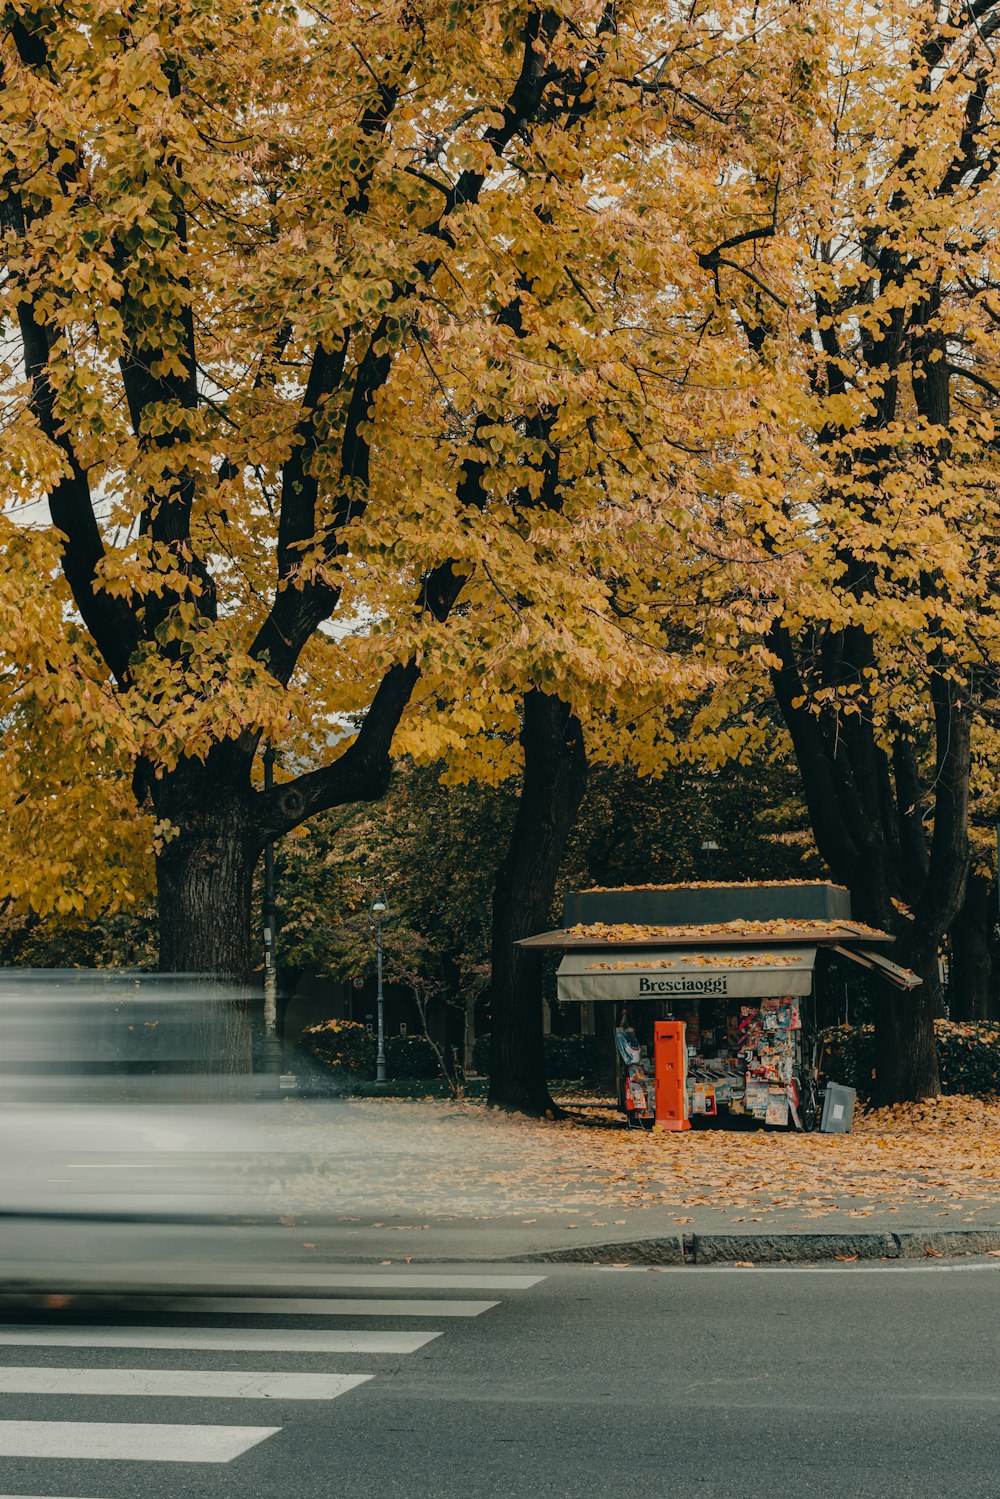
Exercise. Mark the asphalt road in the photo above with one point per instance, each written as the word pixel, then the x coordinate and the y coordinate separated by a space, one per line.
pixel 879 1381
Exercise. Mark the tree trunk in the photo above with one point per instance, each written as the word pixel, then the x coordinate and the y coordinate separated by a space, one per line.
pixel 971 955
pixel 868 812
pixel 555 775
pixel 906 1065
pixel 204 878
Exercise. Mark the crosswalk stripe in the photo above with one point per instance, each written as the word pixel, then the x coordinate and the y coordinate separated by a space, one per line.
pixel 303 1306
pixel 418 1281
pixel 203 1384
pixel 119 1441
pixel 183 1281
pixel 224 1339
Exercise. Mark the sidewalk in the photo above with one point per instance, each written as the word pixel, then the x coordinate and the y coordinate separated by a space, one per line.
pixel 393 1181
pixel 458 1181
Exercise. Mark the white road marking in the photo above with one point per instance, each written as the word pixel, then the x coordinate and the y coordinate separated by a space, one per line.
pixel 208 1384
pixel 299 1306
pixel 223 1339
pixel 219 1283
pixel 139 1442
pixel 418 1281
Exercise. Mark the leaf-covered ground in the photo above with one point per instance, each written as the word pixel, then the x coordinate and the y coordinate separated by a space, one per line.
pixel 938 1159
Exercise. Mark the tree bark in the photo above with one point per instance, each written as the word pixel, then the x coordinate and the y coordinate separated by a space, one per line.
pixel 906 1064
pixel 204 879
pixel 972 958
pixel 867 812
pixel 555 776
pixel 204 882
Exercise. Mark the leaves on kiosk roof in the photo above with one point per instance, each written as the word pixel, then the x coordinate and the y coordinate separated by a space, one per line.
pixel 709 885
pixel 759 959
pixel 625 933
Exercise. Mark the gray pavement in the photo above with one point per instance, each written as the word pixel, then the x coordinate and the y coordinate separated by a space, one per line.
pixel 127 1261
pixel 105 1192
pixel 864 1380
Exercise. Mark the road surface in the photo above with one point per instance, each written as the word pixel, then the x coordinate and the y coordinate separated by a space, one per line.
pixel 506 1382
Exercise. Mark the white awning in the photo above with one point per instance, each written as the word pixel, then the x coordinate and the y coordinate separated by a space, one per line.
pixel 680 974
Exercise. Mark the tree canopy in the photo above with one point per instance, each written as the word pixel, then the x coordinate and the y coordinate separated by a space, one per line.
pixel 391 378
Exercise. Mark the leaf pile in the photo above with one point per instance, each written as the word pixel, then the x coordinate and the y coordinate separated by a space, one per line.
pixel 391 1157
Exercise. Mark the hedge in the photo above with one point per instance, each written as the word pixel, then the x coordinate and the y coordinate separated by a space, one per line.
pixel 349 1048
pixel 566 1057
pixel 968 1056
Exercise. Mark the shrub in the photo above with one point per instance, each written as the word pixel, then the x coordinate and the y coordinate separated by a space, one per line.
pixel 350 1049
pixel 968 1056
pixel 346 1046
pixel 409 1057
pixel 566 1057
pixel 573 1056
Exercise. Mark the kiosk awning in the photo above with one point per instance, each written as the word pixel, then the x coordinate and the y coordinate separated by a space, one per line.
pixel 682 973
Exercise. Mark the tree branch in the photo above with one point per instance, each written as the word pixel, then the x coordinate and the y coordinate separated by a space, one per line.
pixel 299 609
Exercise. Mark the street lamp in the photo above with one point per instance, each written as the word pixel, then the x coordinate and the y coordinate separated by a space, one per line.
pixel 379 909
pixel 271 1054
pixel 269 914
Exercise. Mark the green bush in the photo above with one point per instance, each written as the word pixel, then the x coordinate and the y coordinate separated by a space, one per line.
pixel 566 1057
pixel 411 1057
pixel 345 1046
pixel 968 1056
pixel 348 1048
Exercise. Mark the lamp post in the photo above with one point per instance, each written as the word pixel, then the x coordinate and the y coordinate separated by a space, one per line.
pixel 271 1055
pixel 379 909
pixel 269 915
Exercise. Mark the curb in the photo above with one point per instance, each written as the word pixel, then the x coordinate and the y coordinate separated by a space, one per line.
pixel 788 1248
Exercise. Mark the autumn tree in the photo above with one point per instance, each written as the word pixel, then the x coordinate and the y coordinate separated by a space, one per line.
pixel 626 488
pixel 863 273
pixel 72 844
pixel 256 264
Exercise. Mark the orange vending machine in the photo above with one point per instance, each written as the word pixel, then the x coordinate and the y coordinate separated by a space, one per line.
pixel 670 1070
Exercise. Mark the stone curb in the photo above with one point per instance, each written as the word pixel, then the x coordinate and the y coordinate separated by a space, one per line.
pixel 670 1250
pixel 778 1248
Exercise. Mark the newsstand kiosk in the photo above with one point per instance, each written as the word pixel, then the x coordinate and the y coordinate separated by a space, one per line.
pixel 714 994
